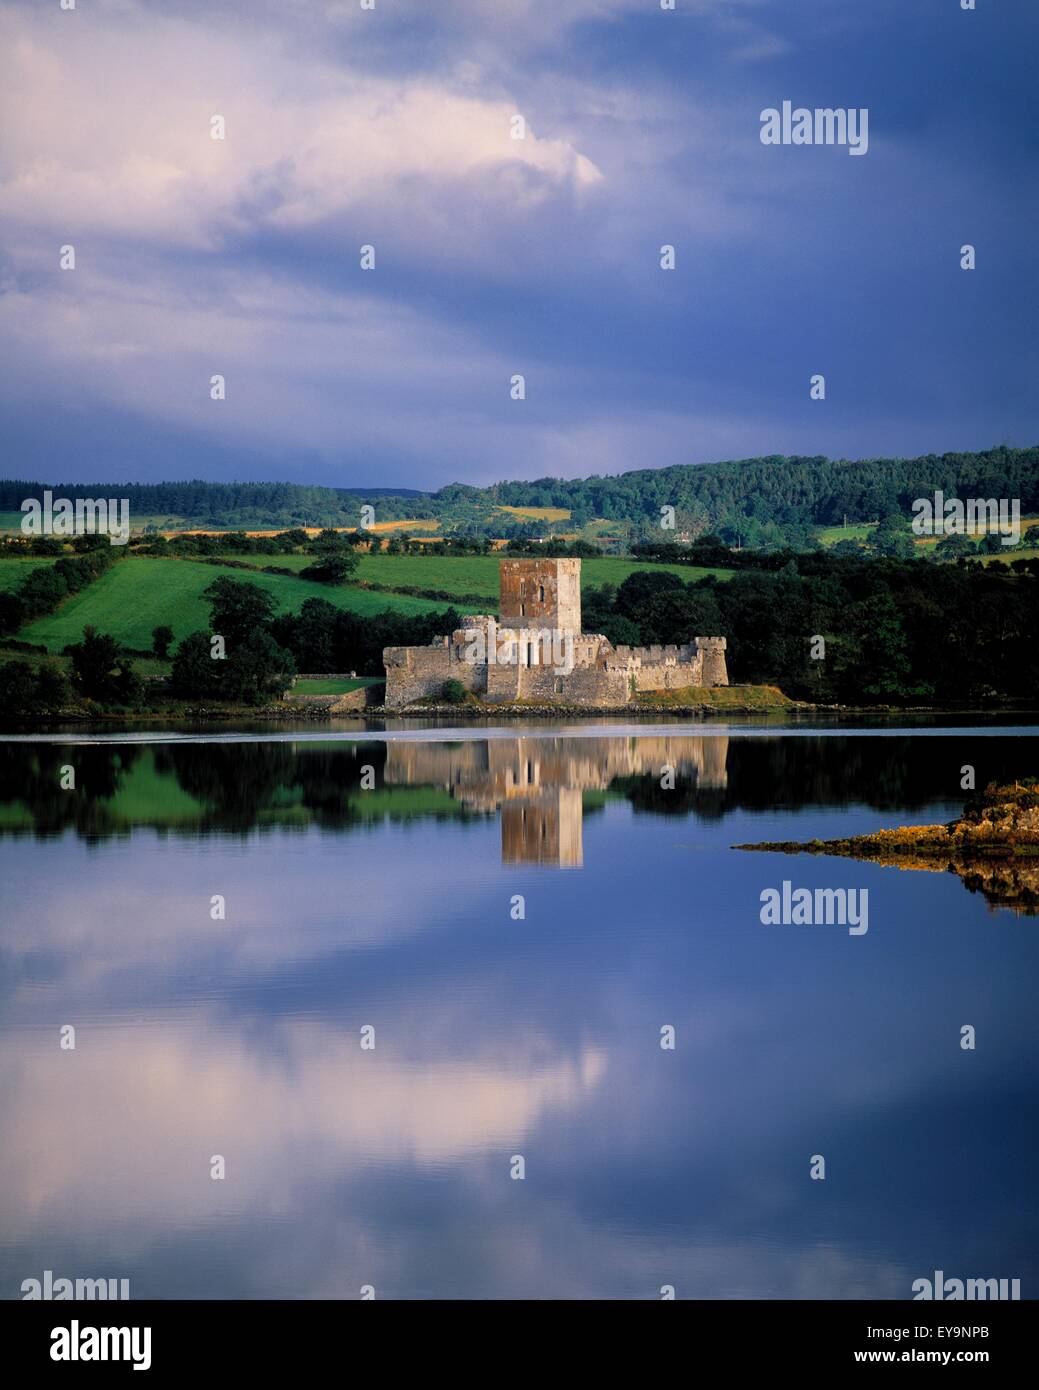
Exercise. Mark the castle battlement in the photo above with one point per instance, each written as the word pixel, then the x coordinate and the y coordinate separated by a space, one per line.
pixel 536 651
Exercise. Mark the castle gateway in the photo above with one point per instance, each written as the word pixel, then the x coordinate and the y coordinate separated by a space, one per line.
pixel 535 650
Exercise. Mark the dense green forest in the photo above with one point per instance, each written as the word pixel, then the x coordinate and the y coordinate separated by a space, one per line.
pixel 845 630
pixel 736 499
pixel 753 502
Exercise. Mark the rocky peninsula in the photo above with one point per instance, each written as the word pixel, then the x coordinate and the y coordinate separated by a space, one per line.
pixel 993 848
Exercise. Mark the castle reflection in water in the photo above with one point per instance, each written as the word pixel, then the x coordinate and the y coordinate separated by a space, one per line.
pixel 538 784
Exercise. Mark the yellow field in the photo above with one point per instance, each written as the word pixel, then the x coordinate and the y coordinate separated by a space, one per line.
pixel 383 526
pixel 1026 521
pixel 539 513
pixel 1031 553
pixel 378 526
pixel 310 530
pixel 435 540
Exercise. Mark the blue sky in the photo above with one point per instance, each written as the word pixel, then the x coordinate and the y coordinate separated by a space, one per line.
pixel 497 256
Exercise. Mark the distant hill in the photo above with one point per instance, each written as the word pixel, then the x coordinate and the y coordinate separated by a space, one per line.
pixel 250 506
pixel 383 492
pixel 752 501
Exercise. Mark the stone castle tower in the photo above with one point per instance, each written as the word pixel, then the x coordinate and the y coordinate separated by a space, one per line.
pixel 540 594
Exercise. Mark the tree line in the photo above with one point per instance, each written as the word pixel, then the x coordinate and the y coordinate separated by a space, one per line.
pixel 772 500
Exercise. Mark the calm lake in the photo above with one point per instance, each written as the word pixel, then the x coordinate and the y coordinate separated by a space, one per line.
pixel 517 918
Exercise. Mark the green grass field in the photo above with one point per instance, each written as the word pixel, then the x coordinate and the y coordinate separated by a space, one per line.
pixel 14 570
pixel 830 535
pixel 454 574
pixel 140 593
pixel 333 687
pixel 470 574
pixel 463 574
pixel 478 574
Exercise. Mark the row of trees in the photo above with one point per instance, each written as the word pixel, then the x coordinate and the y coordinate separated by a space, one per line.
pixel 297 541
pixel 291 541
pixel 42 590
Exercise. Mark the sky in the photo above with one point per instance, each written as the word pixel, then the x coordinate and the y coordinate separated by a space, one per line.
pixel 393 127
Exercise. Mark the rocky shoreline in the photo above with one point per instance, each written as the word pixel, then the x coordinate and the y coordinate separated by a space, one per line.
pixel 323 707
pixel 993 848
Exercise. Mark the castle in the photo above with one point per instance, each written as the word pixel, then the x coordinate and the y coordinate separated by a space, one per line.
pixel 535 650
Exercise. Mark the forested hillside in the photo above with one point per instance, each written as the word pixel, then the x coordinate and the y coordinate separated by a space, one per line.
pixel 726 497
pixel 762 501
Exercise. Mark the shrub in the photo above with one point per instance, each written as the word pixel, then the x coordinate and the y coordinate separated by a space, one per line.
pixel 258 669
pixel 254 670
pixel 101 670
pixel 24 690
pixel 333 568
pixel 194 674
pixel 453 692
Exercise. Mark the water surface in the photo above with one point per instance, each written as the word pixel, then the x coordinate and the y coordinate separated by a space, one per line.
pixel 372 882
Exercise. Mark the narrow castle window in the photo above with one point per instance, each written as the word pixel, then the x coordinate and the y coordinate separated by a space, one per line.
pixel 541 593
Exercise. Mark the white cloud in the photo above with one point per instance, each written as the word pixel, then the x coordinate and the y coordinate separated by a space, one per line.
pixel 188 1092
pixel 240 257
pixel 305 140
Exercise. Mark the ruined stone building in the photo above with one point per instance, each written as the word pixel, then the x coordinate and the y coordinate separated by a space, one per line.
pixel 537 785
pixel 535 650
